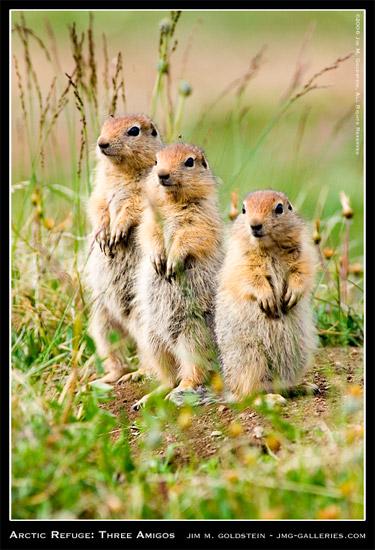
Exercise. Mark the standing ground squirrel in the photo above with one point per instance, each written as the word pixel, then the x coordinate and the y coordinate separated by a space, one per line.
pixel 180 235
pixel 126 147
pixel 264 323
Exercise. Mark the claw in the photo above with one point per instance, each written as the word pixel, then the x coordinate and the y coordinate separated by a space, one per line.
pixel 158 262
pixel 132 376
pixel 291 298
pixel 268 305
pixel 271 399
pixel 171 268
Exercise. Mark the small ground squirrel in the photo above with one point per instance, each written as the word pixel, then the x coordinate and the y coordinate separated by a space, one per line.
pixel 180 235
pixel 126 148
pixel 264 325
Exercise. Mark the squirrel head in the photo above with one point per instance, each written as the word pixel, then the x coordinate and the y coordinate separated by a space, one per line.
pixel 181 172
pixel 129 140
pixel 270 218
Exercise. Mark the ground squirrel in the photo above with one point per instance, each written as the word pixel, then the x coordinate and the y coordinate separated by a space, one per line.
pixel 180 234
pixel 126 148
pixel 264 324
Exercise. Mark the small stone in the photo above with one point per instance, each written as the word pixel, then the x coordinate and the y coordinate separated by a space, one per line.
pixel 258 432
pixel 216 433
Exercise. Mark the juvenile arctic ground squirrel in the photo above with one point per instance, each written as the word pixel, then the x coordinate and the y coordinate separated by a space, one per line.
pixel 264 319
pixel 126 149
pixel 180 234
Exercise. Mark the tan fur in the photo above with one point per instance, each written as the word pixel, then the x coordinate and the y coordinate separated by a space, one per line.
pixel 264 324
pixel 180 229
pixel 115 209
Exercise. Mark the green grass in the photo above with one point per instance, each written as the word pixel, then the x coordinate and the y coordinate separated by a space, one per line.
pixel 65 462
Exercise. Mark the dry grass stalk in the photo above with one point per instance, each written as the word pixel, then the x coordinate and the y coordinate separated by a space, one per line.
pixel 43 118
pixel 106 64
pixel 167 28
pixel 300 65
pixel 242 81
pixel 282 110
pixel 63 101
pixel 92 64
pixel 310 86
pixel 301 129
pixel 77 56
pixel 52 39
pixel 347 213
pixel 254 67
pixel 22 93
pixel 24 32
pixel 24 38
pixel 81 108
pixel 116 87
pixel 186 54
pixel 30 32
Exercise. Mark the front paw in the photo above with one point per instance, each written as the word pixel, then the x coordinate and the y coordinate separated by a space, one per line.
pixel 267 303
pixel 174 265
pixel 158 261
pixel 102 238
pixel 119 233
pixel 291 297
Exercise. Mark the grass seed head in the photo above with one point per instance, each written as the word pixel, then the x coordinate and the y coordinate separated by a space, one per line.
pixel 235 429
pixel 329 252
pixel 185 88
pixel 317 236
pixel 347 210
pixel 217 382
pixel 185 418
pixel 330 512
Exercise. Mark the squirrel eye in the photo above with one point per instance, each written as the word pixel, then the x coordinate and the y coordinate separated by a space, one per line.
pixel 156 161
pixel 189 161
pixel 279 208
pixel 243 209
pixel 134 131
pixel 154 132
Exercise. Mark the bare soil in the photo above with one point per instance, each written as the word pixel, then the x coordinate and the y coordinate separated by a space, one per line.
pixel 335 371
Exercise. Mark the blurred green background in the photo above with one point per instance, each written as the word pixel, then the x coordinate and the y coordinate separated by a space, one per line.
pixel 310 152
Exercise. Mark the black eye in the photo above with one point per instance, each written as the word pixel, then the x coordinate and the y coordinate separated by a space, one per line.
pixel 154 132
pixel 290 206
pixel 279 208
pixel 189 161
pixel 156 161
pixel 134 131
pixel 243 209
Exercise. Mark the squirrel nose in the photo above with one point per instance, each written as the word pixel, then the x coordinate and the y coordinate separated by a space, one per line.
pixel 103 144
pixel 256 227
pixel 163 175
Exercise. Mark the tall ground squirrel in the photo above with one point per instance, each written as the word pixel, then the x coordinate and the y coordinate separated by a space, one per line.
pixel 126 147
pixel 180 235
pixel 264 323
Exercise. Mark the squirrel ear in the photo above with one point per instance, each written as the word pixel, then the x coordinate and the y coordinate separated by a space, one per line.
pixel 154 131
pixel 204 162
